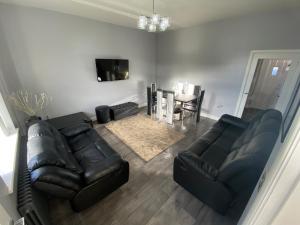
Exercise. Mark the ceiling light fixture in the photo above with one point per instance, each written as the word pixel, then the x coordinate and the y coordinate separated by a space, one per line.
pixel 153 23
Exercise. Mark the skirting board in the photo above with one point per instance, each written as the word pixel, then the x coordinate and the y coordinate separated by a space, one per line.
pixel 210 116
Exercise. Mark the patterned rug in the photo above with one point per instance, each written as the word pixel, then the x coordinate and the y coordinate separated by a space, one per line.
pixel 145 136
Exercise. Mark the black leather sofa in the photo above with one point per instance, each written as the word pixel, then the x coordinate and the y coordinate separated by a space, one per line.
pixel 223 166
pixel 74 163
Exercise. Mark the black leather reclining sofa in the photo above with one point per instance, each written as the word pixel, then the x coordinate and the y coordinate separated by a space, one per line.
pixel 224 165
pixel 74 163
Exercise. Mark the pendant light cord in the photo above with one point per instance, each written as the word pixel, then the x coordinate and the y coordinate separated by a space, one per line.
pixel 153 7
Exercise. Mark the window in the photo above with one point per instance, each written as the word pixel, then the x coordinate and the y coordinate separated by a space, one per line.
pixel 6 123
pixel 8 149
pixel 275 71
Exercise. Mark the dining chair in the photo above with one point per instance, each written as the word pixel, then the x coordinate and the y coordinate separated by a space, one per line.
pixel 195 108
pixel 197 90
pixel 170 107
pixel 159 104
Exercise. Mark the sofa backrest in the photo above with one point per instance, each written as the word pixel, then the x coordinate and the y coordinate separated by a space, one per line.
pixel 251 150
pixel 46 146
pixel 52 167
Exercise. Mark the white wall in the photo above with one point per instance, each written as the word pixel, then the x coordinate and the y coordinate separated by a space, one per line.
pixel 55 52
pixel 215 55
pixel 289 213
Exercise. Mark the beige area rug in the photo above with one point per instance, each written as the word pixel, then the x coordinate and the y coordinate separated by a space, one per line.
pixel 144 135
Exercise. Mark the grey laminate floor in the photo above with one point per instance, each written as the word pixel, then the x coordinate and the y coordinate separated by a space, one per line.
pixel 151 197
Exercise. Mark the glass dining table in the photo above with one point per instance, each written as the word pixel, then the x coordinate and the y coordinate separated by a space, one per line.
pixel 184 98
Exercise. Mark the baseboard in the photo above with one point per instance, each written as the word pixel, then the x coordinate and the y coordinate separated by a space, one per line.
pixel 210 116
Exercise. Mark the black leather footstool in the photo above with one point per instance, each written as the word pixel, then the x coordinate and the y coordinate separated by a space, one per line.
pixel 102 114
pixel 121 111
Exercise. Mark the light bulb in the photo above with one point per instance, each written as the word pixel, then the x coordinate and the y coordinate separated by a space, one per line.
pixel 142 22
pixel 165 22
pixel 155 18
pixel 152 27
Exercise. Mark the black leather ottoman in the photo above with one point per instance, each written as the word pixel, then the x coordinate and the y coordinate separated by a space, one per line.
pixel 102 114
pixel 121 111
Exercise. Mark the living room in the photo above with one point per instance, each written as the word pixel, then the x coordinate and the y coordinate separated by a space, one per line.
pixel 49 49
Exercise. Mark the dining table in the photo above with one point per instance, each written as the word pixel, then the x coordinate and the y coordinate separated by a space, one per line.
pixel 185 98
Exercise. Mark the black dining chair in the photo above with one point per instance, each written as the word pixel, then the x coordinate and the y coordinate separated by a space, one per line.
pixel 195 108
pixel 197 90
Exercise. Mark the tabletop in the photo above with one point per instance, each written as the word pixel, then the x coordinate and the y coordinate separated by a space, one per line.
pixel 185 98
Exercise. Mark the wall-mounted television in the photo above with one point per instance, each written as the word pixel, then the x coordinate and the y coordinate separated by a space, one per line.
pixel 112 69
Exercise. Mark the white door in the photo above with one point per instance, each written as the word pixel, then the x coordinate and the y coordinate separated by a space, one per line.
pixel 293 56
pixel 267 83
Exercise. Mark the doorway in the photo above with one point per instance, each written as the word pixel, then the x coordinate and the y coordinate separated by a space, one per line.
pixel 269 80
pixel 266 87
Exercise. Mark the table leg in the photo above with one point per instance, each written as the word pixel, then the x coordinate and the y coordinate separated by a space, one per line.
pixel 181 117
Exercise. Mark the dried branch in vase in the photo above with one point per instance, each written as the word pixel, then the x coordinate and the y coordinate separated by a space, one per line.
pixel 33 104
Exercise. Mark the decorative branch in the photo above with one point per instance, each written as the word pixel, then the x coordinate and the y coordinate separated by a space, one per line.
pixel 30 103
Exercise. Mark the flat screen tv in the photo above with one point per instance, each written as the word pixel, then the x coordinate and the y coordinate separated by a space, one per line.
pixel 112 69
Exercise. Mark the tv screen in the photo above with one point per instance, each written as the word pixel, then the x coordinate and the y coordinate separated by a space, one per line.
pixel 112 69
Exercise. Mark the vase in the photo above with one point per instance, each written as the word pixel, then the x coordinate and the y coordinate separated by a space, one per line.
pixel 31 120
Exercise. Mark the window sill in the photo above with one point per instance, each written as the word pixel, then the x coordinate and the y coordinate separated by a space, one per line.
pixel 8 162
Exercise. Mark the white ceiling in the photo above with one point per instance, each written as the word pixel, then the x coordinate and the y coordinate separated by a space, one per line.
pixel 183 13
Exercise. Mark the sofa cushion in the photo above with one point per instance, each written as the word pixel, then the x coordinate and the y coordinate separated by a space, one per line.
pixel 42 152
pixel 56 181
pixel 265 121
pixel 94 155
pixel 75 129
pixel 252 149
pixel 58 176
pixel 215 144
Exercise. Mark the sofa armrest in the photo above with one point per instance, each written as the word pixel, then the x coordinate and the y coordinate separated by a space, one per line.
pixel 199 165
pixel 235 121
pixel 75 130
pixel 56 181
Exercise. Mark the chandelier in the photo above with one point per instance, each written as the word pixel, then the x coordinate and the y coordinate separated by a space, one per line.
pixel 153 23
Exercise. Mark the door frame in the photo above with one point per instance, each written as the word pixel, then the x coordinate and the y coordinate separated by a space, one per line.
pixel 255 55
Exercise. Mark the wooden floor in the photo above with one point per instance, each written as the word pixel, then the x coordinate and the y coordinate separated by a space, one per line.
pixel 151 197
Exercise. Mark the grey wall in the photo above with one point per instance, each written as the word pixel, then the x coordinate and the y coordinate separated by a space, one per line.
pixel 9 80
pixel 55 52
pixel 215 54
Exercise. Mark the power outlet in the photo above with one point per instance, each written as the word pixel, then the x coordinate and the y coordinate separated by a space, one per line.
pixel 20 221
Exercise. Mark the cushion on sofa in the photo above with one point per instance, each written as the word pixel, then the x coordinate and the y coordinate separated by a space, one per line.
pixel 94 155
pixel 252 149
pixel 57 175
pixel 75 129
